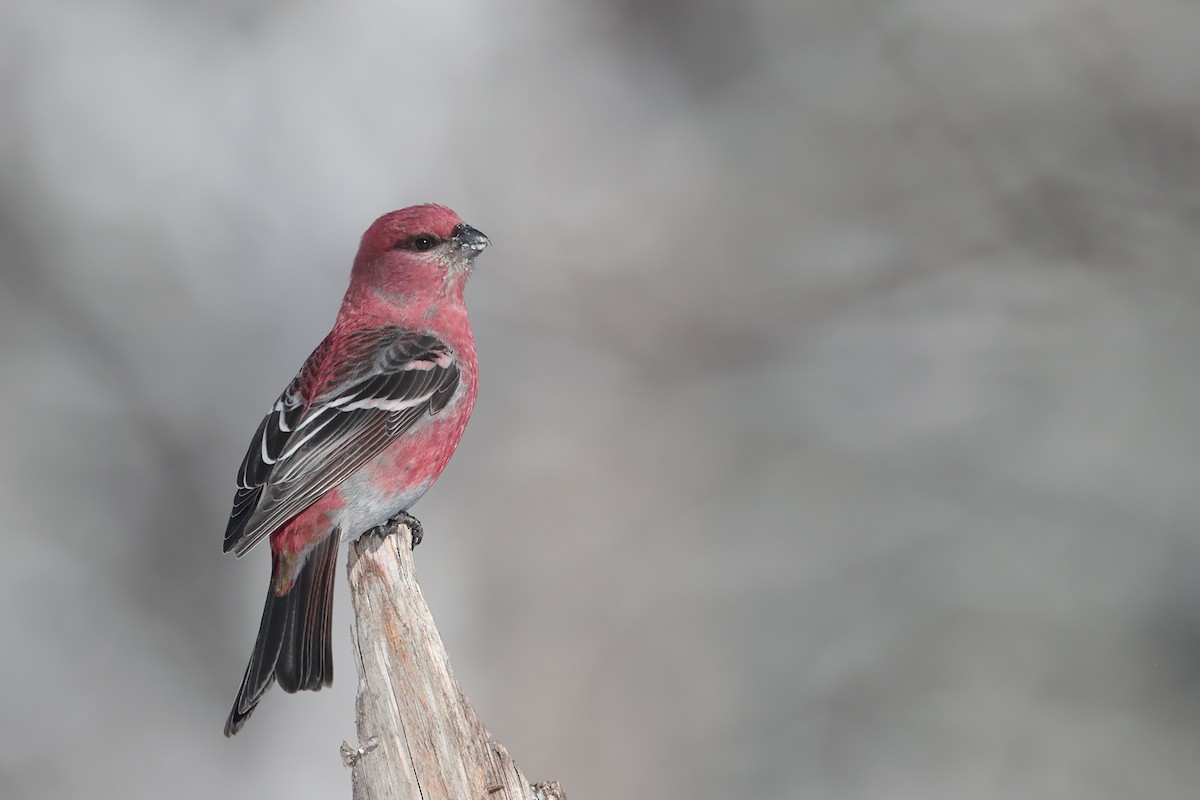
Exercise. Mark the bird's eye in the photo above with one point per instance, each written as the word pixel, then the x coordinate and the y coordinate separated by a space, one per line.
pixel 424 241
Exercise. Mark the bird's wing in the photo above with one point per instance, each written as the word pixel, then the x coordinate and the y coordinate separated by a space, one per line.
pixel 388 379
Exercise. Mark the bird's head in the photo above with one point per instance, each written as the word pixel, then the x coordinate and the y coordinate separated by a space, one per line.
pixel 415 253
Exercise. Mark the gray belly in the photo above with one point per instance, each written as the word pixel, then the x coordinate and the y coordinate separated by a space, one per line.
pixel 363 509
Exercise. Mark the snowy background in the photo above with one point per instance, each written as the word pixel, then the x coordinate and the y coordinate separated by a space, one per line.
pixel 839 424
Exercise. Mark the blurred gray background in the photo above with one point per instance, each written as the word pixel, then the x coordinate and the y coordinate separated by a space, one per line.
pixel 837 434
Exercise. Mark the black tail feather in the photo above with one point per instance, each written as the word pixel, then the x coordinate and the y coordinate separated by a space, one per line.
pixel 306 658
pixel 295 642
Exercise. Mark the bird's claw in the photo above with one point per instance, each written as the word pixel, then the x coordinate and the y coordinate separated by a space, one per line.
pixel 414 527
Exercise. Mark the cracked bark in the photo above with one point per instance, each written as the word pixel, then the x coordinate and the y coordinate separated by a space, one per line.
pixel 419 736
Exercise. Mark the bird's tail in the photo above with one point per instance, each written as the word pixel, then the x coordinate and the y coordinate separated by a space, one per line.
pixel 294 639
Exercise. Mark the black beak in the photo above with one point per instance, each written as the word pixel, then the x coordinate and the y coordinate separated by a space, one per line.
pixel 469 239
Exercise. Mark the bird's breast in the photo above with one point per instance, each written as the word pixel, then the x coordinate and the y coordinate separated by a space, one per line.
pixel 395 479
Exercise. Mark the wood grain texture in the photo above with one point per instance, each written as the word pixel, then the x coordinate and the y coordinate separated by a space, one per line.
pixel 431 745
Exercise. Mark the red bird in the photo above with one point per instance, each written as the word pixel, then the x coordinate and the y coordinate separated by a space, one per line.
pixel 361 433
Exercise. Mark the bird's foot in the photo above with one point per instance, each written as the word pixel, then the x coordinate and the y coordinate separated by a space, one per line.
pixel 414 526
